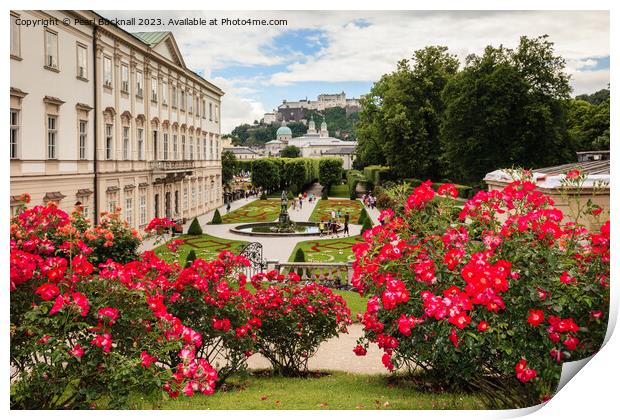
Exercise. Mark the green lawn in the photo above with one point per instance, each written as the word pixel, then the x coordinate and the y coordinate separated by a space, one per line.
pixel 336 391
pixel 323 209
pixel 355 302
pixel 206 247
pixel 328 250
pixel 340 191
pixel 256 211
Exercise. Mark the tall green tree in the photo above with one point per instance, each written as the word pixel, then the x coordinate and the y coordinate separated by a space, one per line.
pixel 506 108
pixel 588 124
pixel 290 152
pixel 403 114
pixel 230 167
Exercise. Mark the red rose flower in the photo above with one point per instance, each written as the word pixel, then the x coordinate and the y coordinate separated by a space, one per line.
pixel 536 317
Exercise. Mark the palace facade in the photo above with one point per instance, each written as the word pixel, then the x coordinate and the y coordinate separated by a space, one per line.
pixel 105 118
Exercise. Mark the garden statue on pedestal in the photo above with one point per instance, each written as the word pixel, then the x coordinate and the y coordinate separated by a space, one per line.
pixel 284 218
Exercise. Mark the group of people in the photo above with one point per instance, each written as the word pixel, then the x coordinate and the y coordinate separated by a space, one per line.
pixel 332 225
pixel 298 202
pixel 369 200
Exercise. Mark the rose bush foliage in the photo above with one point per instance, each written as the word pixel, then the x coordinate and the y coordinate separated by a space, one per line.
pixel 296 318
pixel 494 299
pixel 82 335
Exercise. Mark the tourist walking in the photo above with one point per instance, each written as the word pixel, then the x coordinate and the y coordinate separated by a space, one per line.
pixel 346 224
pixel 335 229
pixel 228 207
pixel 321 228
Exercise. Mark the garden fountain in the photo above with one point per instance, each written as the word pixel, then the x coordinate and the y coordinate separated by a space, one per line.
pixel 284 226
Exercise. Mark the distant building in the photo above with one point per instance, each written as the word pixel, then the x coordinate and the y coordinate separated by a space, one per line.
pixel 296 110
pixel 314 144
pixel 242 152
pixel 549 181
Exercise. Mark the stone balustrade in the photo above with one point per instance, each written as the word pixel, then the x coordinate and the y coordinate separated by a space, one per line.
pixel 330 274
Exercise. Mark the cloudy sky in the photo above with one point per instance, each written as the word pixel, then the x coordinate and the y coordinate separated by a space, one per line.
pixel 333 51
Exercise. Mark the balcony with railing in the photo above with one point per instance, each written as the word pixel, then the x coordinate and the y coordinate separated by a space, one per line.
pixel 172 165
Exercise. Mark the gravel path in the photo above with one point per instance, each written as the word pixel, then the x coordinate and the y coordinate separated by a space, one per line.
pixel 337 354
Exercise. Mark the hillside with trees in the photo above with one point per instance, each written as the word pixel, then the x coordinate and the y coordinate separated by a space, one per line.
pixel 339 125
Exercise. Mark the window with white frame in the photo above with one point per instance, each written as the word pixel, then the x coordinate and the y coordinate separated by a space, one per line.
pixel 164 93
pixel 107 71
pixel 199 190
pixel 125 78
pixel 204 109
pixel 217 149
pixel 175 150
pixel 175 98
pixel 190 101
pixel 15 37
pixel 185 199
pixel 14 139
pixel 109 141
pixel 139 83
pixel 204 148
pixel 191 148
pixel 83 138
pixel 183 156
pixel 210 111
pixel 210 149
pixel 198 148
pixel 142 207
pixel 125 142
pixel 165 146
pixel 112 202
pixel 129 210
pixel 182 104
pixel 193 196
pixel 82 61
pixel 52 134
pixel 51 49
pixel 140 144
pixel 154 89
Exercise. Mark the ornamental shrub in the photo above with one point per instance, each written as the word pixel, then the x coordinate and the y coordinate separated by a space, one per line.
pixel 191 256
pixel 492 300
pixel 263 196
pixel 296 319
pixel 300 256
pixel 217 218
pixel 194 228
pixel 366 225
pixel 83 335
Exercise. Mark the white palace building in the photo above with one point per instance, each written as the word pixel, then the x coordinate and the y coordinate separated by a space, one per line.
pixel 313 144
pixel 106 118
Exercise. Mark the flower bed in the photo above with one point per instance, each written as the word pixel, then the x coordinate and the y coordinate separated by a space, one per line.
pixel 323 209
pixel 256 211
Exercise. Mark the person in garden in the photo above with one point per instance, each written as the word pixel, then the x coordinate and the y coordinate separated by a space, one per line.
pixel 321 228
pixel 346 224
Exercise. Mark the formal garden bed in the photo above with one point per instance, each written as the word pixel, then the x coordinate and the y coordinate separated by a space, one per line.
pixel 323 209
pixel 328 250
pixel 204 246
pixel 255 211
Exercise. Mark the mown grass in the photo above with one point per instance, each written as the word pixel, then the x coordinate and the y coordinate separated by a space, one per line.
pixel 205 246
pixel 256 211
pixel 328 250
pixel 340 191
pixel 334 390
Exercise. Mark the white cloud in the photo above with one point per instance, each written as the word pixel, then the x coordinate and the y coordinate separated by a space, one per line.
pixel 352 51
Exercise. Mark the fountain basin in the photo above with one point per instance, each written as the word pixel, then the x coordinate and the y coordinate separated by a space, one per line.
pixel 268 229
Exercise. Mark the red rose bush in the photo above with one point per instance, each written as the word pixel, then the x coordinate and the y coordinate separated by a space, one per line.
pixel 494 299
pixel 296 318
pixel 81 333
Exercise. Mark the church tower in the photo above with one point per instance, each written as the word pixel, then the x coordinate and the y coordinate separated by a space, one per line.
pixel 324 133
pixel 311 126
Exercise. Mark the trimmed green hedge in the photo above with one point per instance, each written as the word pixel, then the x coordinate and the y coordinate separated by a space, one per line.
pixel 377 174
pixel 354 177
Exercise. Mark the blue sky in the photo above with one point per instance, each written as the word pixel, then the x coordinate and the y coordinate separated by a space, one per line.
pixel 333 51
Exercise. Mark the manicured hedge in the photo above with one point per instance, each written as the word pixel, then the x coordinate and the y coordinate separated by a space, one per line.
pixel 377 173
pixel 354 177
